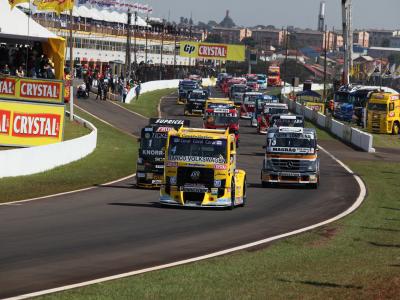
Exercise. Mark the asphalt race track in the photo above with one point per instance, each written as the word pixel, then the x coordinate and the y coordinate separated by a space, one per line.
pixel 114 229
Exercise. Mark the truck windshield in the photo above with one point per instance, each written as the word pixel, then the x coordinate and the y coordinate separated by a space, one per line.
pixel 155 141
pixel 251 98
pixel 295 141
pixel 278 122
pixel 377 107
pixel 261 77
pixel 275 111
pixel 342 97
pixel 273 74
pixel 197 96
pixel 197 150
pixel 239 89
pixel 221 120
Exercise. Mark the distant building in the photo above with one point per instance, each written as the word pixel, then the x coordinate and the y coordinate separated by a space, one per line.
pixel 267 37
pixel 379 38
pixel 361 38
pixel 231 35
pixel 395 41
pixel 384 52
pixel 227 22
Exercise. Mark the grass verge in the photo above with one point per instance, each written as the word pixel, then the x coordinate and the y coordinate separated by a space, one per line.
pixel 148 103
pixel 356 257
pixel 113 158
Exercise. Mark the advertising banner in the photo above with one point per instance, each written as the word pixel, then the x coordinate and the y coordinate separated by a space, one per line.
pixel 30 124
pixel 29 89
pixel 212 51
pixel 316 106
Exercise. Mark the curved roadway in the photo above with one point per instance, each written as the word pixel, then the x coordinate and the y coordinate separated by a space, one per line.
pixel 117 228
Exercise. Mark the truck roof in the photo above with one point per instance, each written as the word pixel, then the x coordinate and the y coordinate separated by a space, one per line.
pixel 274 130
pixel 385 96
pixel 175 123
pixel 201 133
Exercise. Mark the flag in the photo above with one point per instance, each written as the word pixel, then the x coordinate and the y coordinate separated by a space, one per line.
pixel 57 6
pixel 149 10
pixel 15 2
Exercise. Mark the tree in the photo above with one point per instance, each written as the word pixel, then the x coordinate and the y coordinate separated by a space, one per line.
pixel 214 38
pixel 249 41
pixel 212 23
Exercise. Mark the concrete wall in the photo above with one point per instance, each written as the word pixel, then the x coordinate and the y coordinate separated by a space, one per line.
pixel 27 161
pixel 348 134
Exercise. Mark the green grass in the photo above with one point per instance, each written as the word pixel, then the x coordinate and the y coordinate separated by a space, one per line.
pixel 354 258
pixel 74 130
pixel 113 158
pixel 148 103
pixel 386 141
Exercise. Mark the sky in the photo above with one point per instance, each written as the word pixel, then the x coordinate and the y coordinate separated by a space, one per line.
pixel 379 14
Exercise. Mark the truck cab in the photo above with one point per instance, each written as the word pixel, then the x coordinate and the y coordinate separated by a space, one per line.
pixel 260 108
pixel 150 162
pixel 274 76
pixel 196 101
pixel 287 121
pixel 291 157
pixel 185 87
pixel 222 116
pixel 200 170
pixel 248 106
pixel 236 93
pixel 384 113
pixel 269 110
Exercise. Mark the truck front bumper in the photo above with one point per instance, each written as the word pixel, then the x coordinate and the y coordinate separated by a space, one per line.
pixel 289 177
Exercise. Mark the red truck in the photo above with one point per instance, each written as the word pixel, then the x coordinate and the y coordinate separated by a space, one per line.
pixel 270 109
pixel 274 76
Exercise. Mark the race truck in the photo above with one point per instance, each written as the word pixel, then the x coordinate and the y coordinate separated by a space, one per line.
pixel 291 157
pixel 222 116
pixel 287 121
pixel 200 170
pixel 262 81
pixel 384 113
pixel 269 110
pixel 196 78
pixel 274 76
pixel 185 87
pixel 259 108
pixel 247 108
pixel 230 82
pixel 150 162
pixel 236 93
pixel 196 102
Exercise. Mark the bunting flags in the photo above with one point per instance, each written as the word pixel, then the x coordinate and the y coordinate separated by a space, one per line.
pixel 57 6
pixel 122 5
pixel 15 2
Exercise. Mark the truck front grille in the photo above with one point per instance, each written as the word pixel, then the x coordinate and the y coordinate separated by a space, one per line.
pixel 206 176
pixel 290 165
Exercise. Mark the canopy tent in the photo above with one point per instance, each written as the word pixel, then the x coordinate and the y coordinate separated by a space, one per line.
pixel 14 28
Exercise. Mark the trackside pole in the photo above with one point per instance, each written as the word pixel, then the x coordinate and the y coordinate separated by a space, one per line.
pixel 71 102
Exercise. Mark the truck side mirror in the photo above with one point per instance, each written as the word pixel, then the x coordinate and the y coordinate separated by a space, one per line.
pixel 264 147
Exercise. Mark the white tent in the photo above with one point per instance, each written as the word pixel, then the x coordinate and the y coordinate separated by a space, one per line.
pixel 14 24
pixel 107 16
pixel 118 17
pixel 84 12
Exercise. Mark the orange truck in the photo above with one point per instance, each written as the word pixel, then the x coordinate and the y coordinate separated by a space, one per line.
pixel 274 76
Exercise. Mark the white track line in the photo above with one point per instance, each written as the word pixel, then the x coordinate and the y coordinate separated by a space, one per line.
pixel 128 110
pixel 356 204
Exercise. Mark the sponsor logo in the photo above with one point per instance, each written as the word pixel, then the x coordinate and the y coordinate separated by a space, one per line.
pixel 153 152
pixel 164 129
pixel 195 175
pixel 172 122
pixel 171 164
pixel 189 49
pixel 5 116
pixel 7 86
pixel 220 167
pixel 36 125
pixel 213 50
pixel 49 90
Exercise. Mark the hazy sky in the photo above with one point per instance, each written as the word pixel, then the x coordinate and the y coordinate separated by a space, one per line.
pixel 299 13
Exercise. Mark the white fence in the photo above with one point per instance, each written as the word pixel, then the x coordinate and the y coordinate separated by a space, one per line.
pixel 346 133
pixel 27 161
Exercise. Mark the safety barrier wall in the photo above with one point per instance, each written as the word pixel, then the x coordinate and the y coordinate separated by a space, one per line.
pixel 348 134
pixel 27 161
pixel 159 85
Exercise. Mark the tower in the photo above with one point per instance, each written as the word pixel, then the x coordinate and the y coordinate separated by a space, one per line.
pixel 321 16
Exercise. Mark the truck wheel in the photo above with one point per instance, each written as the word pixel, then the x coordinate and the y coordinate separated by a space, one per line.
pixel 396 129
pixel 233 194
pixel 244 193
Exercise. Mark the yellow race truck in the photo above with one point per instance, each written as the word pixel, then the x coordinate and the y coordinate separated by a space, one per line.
pixel 384 113
pixel 200 169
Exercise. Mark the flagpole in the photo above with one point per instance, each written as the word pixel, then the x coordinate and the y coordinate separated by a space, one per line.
pixel 71 66
pixel 27 39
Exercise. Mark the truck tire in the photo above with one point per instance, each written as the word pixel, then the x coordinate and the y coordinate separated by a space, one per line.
pixel 233 194
pixel 396 128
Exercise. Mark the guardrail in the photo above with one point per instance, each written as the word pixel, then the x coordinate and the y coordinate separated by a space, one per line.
pixel 346 133
pixel 28 161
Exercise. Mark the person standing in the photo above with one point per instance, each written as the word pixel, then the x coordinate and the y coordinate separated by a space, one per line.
pixel 99 89
pixel 137 90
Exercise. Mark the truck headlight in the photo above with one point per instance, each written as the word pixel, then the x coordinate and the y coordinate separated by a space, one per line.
pixel 312 166
pixel 140 168
pixel 268 164
pixel 172 180
pixel 140 160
